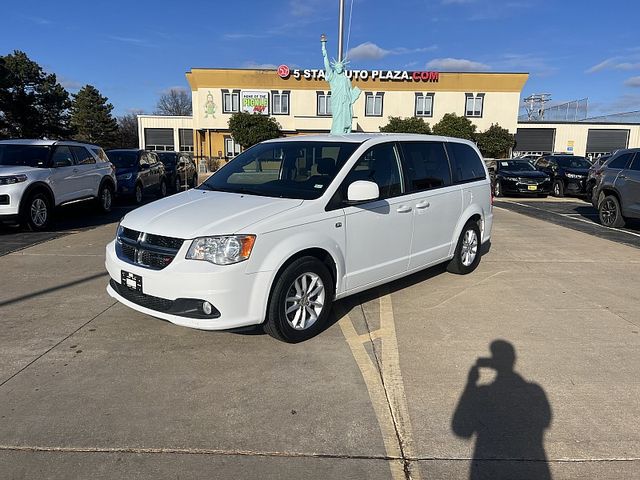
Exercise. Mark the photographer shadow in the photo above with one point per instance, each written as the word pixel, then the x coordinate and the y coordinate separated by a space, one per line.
pixel 508 418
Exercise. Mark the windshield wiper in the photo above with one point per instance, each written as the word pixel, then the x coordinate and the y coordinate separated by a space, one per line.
pixel 241 190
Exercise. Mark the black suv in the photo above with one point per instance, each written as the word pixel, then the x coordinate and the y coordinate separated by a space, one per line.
pixel 516 176
pixel 616 194
pixel 568 173
pixel 180 169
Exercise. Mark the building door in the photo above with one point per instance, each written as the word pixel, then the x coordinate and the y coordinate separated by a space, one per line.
pixel 601 141
pixel 535 140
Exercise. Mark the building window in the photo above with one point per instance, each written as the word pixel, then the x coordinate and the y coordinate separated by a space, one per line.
pixel 230 101
pixel 186 139
pixel 473 105
pixel 231 148
pixel 160 139
pixel 373 104
pixel 324 104
pixel 280 102
pixel 424 105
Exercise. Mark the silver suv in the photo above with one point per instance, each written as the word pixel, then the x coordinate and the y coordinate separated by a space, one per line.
pixel 38 175
pixel 616 194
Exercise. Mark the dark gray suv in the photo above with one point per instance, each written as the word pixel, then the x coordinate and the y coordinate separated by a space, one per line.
pixel 616 194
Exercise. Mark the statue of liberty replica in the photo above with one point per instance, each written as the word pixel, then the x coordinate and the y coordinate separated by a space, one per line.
pixel 343 95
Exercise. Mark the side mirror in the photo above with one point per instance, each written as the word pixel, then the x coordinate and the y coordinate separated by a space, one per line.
pixel 362 191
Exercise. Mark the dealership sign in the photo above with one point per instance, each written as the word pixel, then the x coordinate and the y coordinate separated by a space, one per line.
pixel 285 72
pixel 255 102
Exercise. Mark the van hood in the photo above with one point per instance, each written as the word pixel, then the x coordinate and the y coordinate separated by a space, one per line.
pixel 199 213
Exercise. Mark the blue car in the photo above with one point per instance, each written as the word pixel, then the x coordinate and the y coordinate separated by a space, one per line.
pixel 139 172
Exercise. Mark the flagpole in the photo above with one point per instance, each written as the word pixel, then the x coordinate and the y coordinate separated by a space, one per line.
pixel 340 31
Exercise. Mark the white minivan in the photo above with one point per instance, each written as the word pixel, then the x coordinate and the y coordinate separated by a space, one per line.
pixel 292 224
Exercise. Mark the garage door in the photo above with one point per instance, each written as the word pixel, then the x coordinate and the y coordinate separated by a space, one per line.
pixel 602 141
pixel 158 138
pixel 535 140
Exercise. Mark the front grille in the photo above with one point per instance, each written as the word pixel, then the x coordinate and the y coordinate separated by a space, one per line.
pixel 529 181
pixel 145 249
pixel 148 301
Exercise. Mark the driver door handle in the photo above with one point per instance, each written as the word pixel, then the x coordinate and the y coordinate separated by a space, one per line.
pixel 423 204
pixel 403 209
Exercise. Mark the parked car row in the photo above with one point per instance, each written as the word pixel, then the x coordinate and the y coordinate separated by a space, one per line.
pixel 555 174
pixel 37 176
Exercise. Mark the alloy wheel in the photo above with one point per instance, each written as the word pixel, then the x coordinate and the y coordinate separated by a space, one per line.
pixel 469 248
pixel 39 212
pixel 304 301
pixel 107 199
pixel 608 212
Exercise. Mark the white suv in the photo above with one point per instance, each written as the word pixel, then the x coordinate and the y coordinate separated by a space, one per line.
pixel 38 175
pixel 290 225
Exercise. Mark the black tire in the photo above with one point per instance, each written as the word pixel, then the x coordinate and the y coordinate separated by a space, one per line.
pixel 162 188
pixel 460 264
pixel 497 190
pixel 105 198
pixel 138 194
pixel 278 323
pixel 195 181
pixel 36 212
pixel 610 213
pixel 557 190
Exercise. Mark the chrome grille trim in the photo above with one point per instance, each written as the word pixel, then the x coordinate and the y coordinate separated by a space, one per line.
pixel 146 250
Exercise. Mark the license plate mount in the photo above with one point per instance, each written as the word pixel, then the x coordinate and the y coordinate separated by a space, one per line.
pixel 131 281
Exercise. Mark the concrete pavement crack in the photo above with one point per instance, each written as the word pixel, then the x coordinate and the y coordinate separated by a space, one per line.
pixel 55 345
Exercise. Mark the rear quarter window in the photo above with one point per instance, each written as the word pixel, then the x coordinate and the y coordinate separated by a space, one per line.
pixel 467 165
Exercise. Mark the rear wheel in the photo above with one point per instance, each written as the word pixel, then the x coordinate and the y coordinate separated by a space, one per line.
pixel 300 301
pixel 137 194
pixel 105 198
pixel 37 212
pixel 610 212
pixel 467 255
pixel 558 189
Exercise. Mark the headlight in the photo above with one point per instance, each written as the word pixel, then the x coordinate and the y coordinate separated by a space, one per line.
pixel 511 179
pixel 125 176
pixel 222 250
pixel 573 175
pixel 10 180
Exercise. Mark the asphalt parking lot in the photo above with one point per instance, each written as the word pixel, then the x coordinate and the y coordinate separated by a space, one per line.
pixel 91 389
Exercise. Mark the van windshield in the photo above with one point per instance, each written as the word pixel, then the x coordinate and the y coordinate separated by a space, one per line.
pixel 24 155
pixel 301 170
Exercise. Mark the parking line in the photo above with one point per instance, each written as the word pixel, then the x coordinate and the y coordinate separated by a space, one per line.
pixel 573 218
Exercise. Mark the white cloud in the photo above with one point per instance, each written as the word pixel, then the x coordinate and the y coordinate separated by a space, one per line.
pixel 367 51
pixel 601 66
pixel 457 65
pixel 632 82
pixel 371 51
pixel 617 63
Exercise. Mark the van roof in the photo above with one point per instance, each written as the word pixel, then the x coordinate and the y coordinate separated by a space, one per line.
pixel 363 137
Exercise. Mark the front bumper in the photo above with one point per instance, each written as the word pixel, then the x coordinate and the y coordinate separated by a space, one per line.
pixel 240 298
pixel 577 186
pixel 520 188
pixel 10 196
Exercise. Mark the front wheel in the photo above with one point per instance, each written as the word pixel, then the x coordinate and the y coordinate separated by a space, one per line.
pixel 300 301
pixel 558 189
pixel 610 212
pixel 467 255
pixel 37 212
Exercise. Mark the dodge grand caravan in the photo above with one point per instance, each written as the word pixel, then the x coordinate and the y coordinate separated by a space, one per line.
pixel 290 225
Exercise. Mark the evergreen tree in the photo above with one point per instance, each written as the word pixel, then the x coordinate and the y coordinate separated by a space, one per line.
pixel 495 142
pixel 247 129
pixel 406 125
pixel 91 118
pixel 32 103
pixel 452 125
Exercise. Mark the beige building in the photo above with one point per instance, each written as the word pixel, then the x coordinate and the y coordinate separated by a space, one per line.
pixel 299 99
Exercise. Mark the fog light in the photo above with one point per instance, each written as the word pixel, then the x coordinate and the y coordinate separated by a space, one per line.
pixel 207 308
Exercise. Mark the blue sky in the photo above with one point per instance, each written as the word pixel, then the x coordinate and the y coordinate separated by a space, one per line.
pixel 133 51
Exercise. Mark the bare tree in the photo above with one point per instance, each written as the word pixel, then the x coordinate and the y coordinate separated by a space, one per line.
pixel 128 130
pixel 177 101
